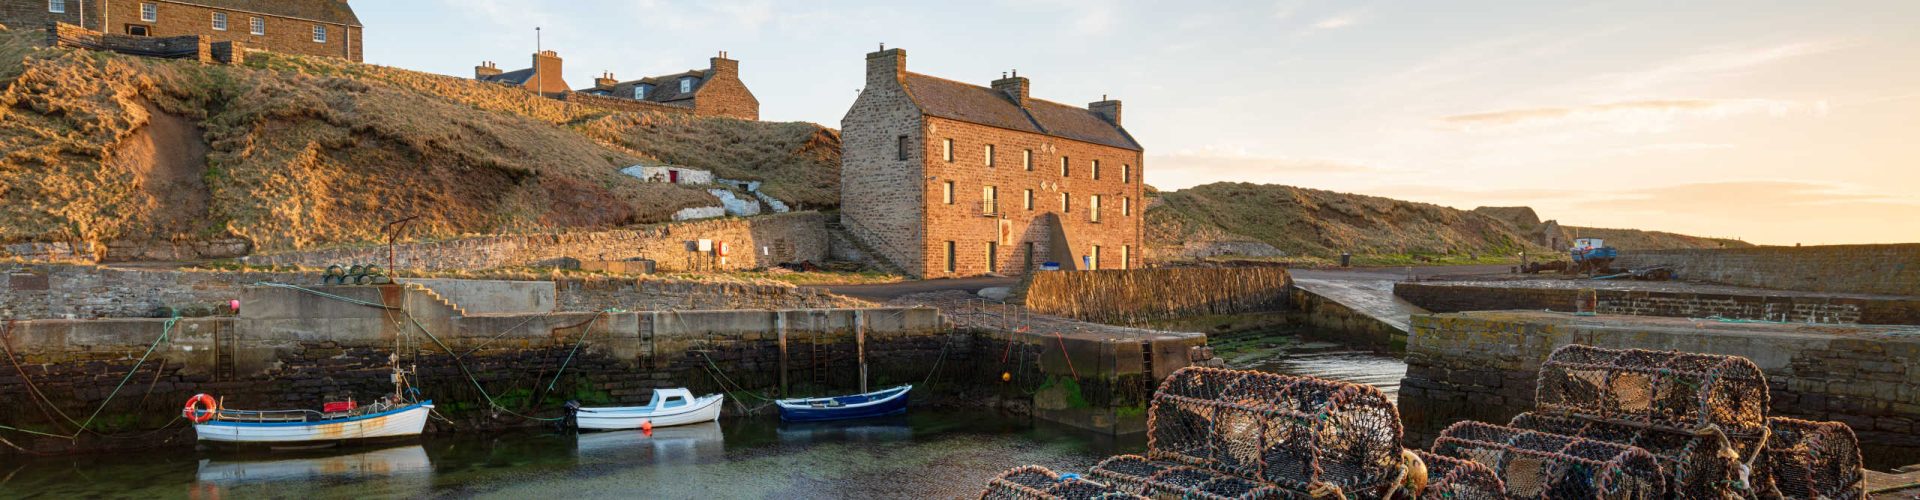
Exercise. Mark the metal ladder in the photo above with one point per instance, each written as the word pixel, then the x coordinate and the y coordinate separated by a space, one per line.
pixel 223 346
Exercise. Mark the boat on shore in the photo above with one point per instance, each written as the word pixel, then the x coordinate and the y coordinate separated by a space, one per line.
pixel 668 407
pixel 873 404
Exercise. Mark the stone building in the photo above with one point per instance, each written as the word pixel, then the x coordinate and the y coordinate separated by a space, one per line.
pixel 947 179
pixel 309 27
pixel 715 91
pixel 543 77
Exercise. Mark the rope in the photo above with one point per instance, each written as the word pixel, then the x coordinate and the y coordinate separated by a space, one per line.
pixel 168 329
pixel 1067 355
pixel 723 376
pixel 463 370
pixel 944 343
pixel 41 400
pixel 576 348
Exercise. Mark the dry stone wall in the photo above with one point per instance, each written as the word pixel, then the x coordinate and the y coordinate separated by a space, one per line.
pixel 1873 269
pixel 753 243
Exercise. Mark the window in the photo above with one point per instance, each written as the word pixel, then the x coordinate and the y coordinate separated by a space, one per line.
pixel 640 92
pixel 257 25
pixel 57 6
pixel 1063 166
pixel 990 200
pixel 1026 160
pixel 947 193
pixel 1096 170
pixel 219 21
pixel 149 12
pixel 1093 208
pixel 1126 256
pixel 993 256
pixel 1029 199
pixel 319 34
pixel 1066 202
pixel 950 266
pixel 903 147
pixel 946 149
pixel 1093 259
pixel 1126 173
pixel 686 85
pixel 989 155
pixel 1126 206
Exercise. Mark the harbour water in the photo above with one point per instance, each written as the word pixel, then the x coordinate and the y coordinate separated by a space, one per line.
pixel 930 453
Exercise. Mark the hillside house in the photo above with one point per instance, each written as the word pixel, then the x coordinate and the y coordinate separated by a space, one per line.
pixel 309 27
pixel 947 179
pixel 715 91
pixel 543 77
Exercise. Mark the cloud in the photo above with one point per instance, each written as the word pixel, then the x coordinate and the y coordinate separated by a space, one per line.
pixel 1337 22
pixel 1655 115
pixel 1711 63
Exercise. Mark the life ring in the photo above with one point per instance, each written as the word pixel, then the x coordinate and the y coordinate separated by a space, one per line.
pixel 200 408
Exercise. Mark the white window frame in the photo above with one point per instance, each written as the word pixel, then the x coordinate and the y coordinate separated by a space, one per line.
pixel 640 92
pixel 946 149
pixel 319 33
pixel 1029 199
pixel 257 25
pixel 989 155
pixel 1093 208
pixel 686 84
pixel 219 21
pixel 149 12
pixel 1026 160
pixel 57 6
pixel 947 192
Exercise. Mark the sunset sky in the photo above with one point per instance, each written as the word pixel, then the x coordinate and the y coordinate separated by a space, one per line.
pixel 1777 122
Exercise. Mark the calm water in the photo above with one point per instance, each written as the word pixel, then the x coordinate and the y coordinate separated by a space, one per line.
pixel 926 455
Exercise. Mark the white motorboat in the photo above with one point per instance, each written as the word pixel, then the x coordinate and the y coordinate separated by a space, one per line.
pixel 669 407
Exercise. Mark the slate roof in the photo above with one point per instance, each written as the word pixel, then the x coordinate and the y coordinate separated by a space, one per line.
pixel 983 105
pixel 666 88
pixel 515 77
pixel 327 11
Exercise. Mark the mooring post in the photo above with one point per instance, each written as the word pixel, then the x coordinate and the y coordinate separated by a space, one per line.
pixel 860 345
pixel 780 323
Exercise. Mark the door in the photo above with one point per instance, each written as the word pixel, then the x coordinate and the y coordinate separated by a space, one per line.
pixel 137 30
pixel 673 176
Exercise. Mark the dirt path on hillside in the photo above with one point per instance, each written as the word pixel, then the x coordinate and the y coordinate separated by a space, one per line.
pixel 168 158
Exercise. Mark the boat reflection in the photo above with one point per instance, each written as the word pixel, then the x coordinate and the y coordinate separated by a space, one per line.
pixel 683 444
pixel 386 464
pixel 893 428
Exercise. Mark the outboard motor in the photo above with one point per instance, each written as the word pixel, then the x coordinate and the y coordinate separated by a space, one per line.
pixel 573 411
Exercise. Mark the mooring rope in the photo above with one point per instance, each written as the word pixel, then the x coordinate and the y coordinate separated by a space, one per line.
pixel 576 348
pixel 165 332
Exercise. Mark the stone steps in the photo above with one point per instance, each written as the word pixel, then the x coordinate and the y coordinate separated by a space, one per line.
pixel 870 256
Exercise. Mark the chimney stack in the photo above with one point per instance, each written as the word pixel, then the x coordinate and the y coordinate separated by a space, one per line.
pixel 1015 87
pixel 485 69
pixel 722 65
pixel 605 82
pixel 1108 109
pixel 886 68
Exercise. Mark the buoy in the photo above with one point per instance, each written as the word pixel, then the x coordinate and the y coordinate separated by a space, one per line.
pixel 200 408
pixel 646 428
pixel 1006 376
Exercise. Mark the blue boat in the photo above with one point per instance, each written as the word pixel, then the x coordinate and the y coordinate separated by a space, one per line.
pixel 873 404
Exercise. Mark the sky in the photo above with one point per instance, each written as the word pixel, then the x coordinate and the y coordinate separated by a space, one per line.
pixel 1776 122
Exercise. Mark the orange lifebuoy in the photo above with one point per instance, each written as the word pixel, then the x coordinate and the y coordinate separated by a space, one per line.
pixel 200 408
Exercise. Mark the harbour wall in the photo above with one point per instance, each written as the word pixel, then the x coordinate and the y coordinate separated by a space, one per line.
pixel 1483 366
pixel 1329 320
pixel 1139 296
pixel 294 349
pixel 1871 269
pixel 1843 310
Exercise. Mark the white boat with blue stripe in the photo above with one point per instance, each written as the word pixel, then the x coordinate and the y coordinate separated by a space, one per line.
pixel 374 421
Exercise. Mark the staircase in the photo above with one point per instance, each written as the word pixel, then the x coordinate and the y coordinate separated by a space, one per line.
pixel 871 256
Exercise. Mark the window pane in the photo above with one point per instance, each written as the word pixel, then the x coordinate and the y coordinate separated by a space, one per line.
pixel 57 6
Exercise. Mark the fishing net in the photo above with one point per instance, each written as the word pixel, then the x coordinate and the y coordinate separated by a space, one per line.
pixel 1540 465
pixel 1811 460
pixel 1451 478
pixel 1664 390
pixel 1696 465
pixel 1300 433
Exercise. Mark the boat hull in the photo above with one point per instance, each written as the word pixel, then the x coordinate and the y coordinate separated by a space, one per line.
pixel 405 421
pixel 895 404
pixel 705 409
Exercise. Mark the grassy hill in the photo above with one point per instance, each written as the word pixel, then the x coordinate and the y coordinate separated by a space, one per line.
pixel 1234 220
pixel 290 152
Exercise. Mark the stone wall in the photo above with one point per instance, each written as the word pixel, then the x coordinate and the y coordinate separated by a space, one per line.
pixel 307 352
pixel 753 243
pixel 1483 366
pixel 881 192
pixel 1786 308
pixel 45 292
pixel 1335 322
pixel 1873 269
pixel 190 47
pixel 723 94
pixel 1142 296
pixel 623 104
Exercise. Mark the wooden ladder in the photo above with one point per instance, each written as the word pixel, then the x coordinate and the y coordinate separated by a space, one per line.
pixel 820 361
pixel 223 346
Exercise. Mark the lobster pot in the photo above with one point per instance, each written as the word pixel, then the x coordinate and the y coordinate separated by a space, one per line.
pixel 1811 460
pixel 1455 479
pixel 1128 473
pixel 1675 391
pixel 1298 433
pixel 1539 465
pixel 1034 482
pixel 1696 465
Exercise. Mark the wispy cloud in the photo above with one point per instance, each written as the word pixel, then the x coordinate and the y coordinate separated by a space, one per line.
pixel 1337 22
pixel 1657 115
pixel 1715 62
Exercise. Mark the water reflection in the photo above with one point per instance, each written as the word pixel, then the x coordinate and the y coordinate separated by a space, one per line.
pixel 678 445
pixel 894 428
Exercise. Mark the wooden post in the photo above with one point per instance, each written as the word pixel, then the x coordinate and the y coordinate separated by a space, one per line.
pixel 860 345
pixel 780 323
